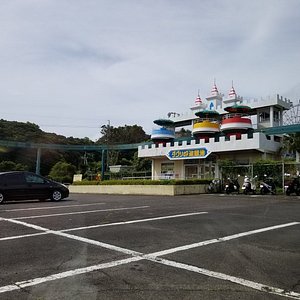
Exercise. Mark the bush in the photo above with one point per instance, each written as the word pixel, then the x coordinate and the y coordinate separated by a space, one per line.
pixel 144 182
pixel 8 165
pixel 62 172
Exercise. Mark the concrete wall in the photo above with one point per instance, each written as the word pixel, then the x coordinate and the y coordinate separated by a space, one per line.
pixel 258 142
pixel 169 190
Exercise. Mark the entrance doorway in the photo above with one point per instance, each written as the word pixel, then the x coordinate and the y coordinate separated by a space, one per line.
pixel 191 171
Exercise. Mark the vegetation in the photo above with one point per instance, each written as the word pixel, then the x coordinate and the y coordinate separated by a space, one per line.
pixel 10 165
pixel 122 135
pixel 144 182
pixel 86 163
pixel 291 144
pixel 62 172
pixel 61 165
pixel 182 133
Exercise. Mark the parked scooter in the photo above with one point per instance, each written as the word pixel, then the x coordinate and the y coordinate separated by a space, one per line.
pixel 232 186
pixel 267 186
pixel 249 185
pixel 293 187
pixel 214 186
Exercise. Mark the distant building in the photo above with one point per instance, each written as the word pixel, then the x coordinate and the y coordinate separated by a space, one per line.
pixel 222 128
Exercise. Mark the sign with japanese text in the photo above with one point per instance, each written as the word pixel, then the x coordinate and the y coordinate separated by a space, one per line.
pixel 188 153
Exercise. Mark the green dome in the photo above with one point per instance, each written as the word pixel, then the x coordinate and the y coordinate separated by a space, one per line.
pixel 164 122
pixel 238 109
pixel 207 113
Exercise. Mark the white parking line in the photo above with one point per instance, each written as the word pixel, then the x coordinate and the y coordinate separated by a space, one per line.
pixel 135 221
pixel 244 282
pixel 104 225
pixel 79 212
pixel 75 237
pixel 22 236
pixel 50 207
pixel 151 257
pixel 36 281
pixel 222 239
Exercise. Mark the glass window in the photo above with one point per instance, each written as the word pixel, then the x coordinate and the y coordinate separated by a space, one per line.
pixel 276 116
pixel 31 178
pixel 191 161
pixel 167 168
pixel 264 116
pixel 14 179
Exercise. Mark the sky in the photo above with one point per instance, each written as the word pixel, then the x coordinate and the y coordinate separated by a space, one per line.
pixel 72 66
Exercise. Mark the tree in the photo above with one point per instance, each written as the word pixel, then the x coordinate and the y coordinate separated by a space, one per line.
pixel 183 133
pixel 121 135
pixel 11 166
pixel 127 134
pixel 140 163
pixel 62 172
pixel 291 144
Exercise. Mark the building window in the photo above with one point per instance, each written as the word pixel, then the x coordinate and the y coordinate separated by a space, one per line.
pixel 277 139
pixel 264 117
pixel 167 170
pixel 276 116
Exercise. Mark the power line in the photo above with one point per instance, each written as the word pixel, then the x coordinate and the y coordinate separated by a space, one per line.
pixel 69 126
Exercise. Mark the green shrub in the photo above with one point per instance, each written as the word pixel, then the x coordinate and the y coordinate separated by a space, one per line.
pixel 8 165
pixel 144 182
pixel 62 172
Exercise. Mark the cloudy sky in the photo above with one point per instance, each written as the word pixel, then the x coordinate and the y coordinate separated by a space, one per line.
pixel 72 66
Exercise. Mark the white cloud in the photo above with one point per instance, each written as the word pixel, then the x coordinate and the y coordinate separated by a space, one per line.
pixel 82 63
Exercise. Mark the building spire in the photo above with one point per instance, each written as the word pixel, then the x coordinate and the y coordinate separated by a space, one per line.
pixel 214 90
pixel 232 93
pixel 198 100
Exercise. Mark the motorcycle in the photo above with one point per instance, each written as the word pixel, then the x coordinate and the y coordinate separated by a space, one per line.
pixel 214 186
pixel 293 187
pixel 267 187
pixel 232 186
pixel 249 186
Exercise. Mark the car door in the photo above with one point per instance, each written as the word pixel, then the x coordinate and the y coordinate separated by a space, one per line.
pixel 14 186
pixel 37 186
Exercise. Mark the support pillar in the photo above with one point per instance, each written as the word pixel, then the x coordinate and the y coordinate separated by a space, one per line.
pixel 103 164
pixel 38 161
pixel 272 120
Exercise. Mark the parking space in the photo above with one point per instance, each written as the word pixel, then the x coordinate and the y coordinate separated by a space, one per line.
pixel 184 247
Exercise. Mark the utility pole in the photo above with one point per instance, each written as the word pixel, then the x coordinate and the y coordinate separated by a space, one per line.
pixel 105 158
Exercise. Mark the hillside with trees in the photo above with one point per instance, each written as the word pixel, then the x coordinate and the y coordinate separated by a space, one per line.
pixel 78 161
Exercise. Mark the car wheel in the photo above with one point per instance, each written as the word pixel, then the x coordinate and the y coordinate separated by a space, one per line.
pixel 56 195
pixel 2 198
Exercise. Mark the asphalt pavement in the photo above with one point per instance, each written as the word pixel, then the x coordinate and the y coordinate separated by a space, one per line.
pixel 151 247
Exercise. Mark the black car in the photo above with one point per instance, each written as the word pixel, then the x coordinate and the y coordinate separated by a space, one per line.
pixel 20 185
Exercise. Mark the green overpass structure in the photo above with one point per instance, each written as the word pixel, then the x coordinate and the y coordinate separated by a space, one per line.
pixel 106 147
pixel 280 129
pixel 65 147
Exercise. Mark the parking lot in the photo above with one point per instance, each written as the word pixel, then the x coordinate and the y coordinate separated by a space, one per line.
pixel 151 247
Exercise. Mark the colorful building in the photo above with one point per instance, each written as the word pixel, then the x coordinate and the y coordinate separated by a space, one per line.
pixel 223 128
